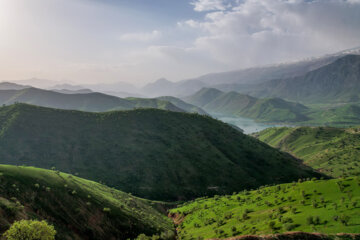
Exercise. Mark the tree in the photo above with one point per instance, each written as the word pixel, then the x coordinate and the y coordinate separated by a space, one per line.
pixel 30 230
pixel 344 219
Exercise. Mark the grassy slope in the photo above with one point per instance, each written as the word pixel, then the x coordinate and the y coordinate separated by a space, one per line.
pixel 74 205
pixel 151 153
pixel 343 115
pixel 215 217
pixel 334 151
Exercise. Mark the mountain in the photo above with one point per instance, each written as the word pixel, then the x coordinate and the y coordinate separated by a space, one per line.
pixel 66 91
pixel 87 102
pixel 151 153
pixel 94 102
pixel 66 86
pixel 203 97
pixel 123 94
pixel 333 151
pixel 154 103
pixel 112 87
pixel 325 206
pixel 335 82
pixel 236 104
pixel 78 208
pixel 183 105
pixel 11 86
pixel 36 82
pixel 243 80
pixel 160 87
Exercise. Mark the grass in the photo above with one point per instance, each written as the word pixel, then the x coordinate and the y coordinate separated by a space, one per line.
pixel 150 153
pixel 309 206
pixel 334 151
pixel 77 207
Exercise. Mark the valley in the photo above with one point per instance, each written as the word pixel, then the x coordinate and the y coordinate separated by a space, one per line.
pixel 180 120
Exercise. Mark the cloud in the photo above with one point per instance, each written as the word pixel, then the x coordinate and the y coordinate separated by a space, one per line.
pixel 208 5
pixel 141 37
pixel 256 32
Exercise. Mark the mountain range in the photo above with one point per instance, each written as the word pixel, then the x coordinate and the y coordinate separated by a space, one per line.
pixel 235 104
pixel 93 101
pixel 338 81
pixel 151 153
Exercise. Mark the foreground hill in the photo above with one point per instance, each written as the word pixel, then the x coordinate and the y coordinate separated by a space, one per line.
pixel 336 82
pixel 236 104
pixel 326 206
pixel 334 151
pixel 151 153
pixel 78 208
pixel 92 102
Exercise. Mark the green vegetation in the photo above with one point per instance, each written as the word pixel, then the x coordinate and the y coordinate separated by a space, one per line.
pixel 30 230
pixel 324 206
pixel 240 105
pixel 77 208
pixel 337 116
pixel 333 151
pixel 151 153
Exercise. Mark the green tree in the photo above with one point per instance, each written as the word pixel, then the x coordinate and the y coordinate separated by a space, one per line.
pixel 30 230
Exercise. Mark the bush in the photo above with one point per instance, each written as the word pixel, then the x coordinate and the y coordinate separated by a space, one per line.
pixel 290 227
pixel 272 225
pixel 344 219
pixel 30 230
pixel 309 220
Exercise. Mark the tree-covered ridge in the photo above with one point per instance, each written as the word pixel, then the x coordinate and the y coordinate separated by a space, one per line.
pixel 151 153
pixel 324 206
pixel 334 151
pixel 78 208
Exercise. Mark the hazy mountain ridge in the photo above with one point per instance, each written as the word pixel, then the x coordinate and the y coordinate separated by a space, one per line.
pixel 236 104
pixel 93 101
pixel 336 82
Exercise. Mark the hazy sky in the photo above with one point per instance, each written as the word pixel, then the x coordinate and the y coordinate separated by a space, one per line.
pixel 138 41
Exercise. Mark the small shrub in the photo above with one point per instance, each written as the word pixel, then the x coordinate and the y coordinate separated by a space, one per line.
pixel 30 230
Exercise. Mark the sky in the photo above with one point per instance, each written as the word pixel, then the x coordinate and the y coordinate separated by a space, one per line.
pixel 139 41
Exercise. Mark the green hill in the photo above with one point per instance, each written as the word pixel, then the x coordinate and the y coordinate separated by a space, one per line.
pixel 334 151
pixel 78 208
pixel 343 115
pixel 92 102
pixel 322 206
pixel 336 82
pixel 183 105
pixel 154 103
pixel 241 105
pixel 151 153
